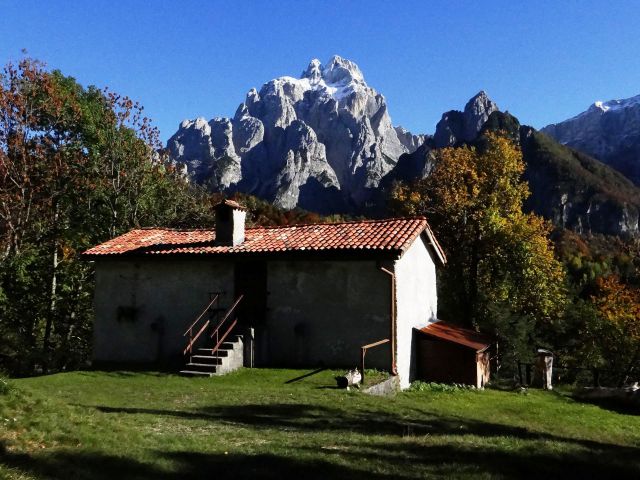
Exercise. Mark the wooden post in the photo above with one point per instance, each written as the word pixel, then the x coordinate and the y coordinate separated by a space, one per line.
pixel 528 373
pixel 363 351
pixel 544 369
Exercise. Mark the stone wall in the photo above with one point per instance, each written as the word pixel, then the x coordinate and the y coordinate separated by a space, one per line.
pixel 143 307
pixel 324 311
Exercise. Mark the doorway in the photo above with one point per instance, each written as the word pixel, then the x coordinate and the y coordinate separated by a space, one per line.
pixel 251 282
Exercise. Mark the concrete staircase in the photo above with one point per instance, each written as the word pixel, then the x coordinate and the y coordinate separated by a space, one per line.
pixel 229 357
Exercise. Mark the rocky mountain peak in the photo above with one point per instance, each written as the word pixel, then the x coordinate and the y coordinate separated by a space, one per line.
pixel 476 113
pixel 313 71
pixel 609 131
pixel 340 70
pixel 456 126
pixel 480 105
pixel 322 141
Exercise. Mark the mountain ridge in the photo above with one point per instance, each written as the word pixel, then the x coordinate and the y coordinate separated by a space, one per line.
pixel 322 141
pixel 608 131
pixel 325 142
pixel 568 187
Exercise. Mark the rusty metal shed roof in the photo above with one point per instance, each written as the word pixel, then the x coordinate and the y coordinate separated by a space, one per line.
pixel 456 334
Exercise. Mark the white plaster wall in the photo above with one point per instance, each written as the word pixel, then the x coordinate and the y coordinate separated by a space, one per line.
pixel 417 303
pixel 168 295
pixel 324 311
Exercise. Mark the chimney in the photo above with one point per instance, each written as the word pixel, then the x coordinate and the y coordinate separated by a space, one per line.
pixel 230 217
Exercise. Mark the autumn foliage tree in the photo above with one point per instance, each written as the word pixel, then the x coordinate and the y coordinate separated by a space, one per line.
pixel 501 276
pixel 615 333
pixel 77 166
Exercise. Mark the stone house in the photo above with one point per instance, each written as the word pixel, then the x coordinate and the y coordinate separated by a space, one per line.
pixel 294 296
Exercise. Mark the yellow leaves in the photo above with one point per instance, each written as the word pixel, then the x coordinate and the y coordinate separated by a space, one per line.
pixel 619 304
pixel 500 255
pixel 407 201
pixel 68 252
pixel 414 197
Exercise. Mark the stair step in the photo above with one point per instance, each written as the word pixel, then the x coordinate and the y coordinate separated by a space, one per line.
pixel 207 352
pixel 209 359
pixel 195 373
pixel 205 366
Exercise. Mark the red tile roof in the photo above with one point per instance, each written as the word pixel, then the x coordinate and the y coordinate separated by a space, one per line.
pixel 461 336
pixel 392 235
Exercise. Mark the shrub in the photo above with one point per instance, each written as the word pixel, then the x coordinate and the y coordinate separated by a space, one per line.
pixel 420 386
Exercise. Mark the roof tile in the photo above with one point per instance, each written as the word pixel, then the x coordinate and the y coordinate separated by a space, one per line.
pixel 395 234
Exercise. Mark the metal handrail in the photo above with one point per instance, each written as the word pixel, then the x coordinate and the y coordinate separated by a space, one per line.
pixel 363 352
pixel 221 340
pixel 216 331
pixel 227 314
pixel 192 340
pixel 189 330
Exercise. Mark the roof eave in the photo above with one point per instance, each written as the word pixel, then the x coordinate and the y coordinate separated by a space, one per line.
pixel 433 243
pixel 328 254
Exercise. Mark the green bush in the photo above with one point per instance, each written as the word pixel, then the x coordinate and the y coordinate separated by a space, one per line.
pixel 420 386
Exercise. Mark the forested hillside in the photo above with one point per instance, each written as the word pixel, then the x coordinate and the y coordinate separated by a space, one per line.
pixel 532 282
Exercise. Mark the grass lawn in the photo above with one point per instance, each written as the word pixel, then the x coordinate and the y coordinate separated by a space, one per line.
pixel 260 424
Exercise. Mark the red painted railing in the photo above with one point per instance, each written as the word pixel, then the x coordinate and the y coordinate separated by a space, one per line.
pixel 189 331
pixel 219 339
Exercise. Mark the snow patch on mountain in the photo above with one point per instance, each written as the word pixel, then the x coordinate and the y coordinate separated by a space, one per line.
pixel 608 131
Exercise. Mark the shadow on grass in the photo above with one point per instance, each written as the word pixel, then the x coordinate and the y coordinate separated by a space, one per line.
pixel 123 373
pixel 301 377
pixel 473 460
pixel 312 418
pixel 542 453
pixel 617 405
pixel 405 459
pixel 185 465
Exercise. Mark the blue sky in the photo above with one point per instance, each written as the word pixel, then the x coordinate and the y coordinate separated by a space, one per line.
pixel 542 61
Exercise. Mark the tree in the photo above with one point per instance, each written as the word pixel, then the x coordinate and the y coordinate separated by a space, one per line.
pixel 77 166
pixel 618 332
pixel 501 274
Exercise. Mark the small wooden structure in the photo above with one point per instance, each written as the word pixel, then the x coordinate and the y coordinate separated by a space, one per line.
pixel 544 369
pixel 448 353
